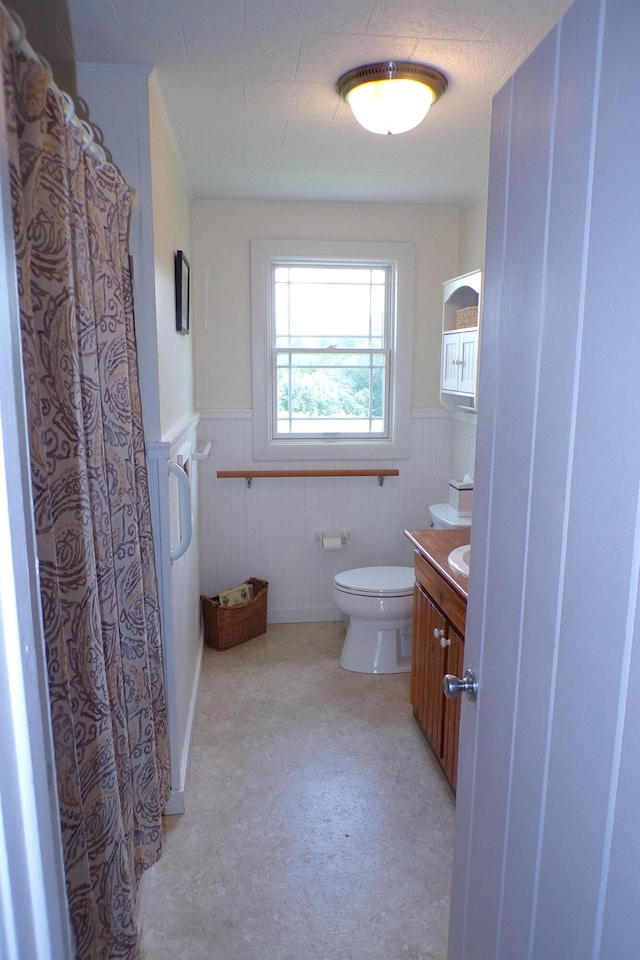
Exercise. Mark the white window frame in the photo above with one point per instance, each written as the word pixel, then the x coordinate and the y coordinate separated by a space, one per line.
pixel 401 256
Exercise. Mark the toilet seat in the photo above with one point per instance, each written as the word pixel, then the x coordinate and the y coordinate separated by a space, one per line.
pixel 376 581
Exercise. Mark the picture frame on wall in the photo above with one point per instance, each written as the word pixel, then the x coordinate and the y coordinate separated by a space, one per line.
pixel 182 293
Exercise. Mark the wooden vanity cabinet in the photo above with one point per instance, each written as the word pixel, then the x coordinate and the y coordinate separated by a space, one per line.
pixel 439 614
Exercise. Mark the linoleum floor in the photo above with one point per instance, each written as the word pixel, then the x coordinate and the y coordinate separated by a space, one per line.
pixel 318 824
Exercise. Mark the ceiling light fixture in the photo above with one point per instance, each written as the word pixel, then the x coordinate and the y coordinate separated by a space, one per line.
pixel 391 97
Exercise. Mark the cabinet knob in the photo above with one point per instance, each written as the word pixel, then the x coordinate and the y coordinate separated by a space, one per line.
pixel 438 634
pixel 445 641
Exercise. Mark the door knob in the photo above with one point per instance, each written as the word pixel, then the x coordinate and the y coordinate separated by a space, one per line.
pixel 454 686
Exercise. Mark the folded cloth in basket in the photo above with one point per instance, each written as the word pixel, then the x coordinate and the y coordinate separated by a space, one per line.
pixel 236 596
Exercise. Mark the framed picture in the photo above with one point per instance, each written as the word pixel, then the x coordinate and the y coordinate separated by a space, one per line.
pixel 182 293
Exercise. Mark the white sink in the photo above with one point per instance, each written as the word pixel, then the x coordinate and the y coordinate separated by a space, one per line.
pixel 459 559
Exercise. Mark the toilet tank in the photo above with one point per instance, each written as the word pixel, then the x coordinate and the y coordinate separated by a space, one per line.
pixel 444 517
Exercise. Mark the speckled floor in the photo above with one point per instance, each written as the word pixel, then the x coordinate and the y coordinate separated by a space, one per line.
pixel 318 825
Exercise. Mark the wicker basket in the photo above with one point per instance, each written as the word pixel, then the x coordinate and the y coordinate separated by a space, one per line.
pixel 467 317
pixel 226 627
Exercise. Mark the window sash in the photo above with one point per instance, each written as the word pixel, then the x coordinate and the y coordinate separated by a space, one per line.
pixel 368 285
pixel 369 341
pixel 399 258
pixel 375 362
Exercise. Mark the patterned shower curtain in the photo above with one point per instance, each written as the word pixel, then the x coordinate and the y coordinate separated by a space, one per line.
pixel 91 506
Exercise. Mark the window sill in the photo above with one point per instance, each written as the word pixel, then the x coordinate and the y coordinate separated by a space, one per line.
pixel 304 450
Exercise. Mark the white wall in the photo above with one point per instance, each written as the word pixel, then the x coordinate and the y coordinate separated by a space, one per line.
pixel 222 231
pixel 473 226
pixel 141 143
pixel 462 443
pixel 171 201
pixel 268 531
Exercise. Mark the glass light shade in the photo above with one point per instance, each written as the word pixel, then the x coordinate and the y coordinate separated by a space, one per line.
pixel 390 106
pixel 393 96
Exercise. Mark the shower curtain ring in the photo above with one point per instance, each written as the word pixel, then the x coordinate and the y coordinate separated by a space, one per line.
pixel 70 109
pixel 88 135
pixel 17 30
pixel 98 154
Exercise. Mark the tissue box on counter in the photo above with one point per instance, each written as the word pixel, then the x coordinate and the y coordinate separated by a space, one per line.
pixel 461 496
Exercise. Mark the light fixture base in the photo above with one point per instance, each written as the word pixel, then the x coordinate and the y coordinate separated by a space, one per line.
pixel 392 70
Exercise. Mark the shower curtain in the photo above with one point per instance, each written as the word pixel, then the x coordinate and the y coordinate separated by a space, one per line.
pixel 91 506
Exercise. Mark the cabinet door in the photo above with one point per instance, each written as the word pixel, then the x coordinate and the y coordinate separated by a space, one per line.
pixel 418 654
pixel 468 366
pixel 428 667
pixel 450 362
pixel 459 362
pixel 451 727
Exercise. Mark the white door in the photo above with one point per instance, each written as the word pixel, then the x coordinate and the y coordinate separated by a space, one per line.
pixel 547 855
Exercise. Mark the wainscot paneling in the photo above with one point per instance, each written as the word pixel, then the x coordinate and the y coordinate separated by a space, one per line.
pixel 268 531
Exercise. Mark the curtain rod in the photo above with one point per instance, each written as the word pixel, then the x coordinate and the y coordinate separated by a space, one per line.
pixel 18 43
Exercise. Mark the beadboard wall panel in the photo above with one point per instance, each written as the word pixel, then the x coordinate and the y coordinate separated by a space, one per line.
pixel 268 531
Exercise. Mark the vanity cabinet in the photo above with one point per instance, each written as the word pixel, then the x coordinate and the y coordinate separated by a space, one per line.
pixel 461 311
pixel 438 647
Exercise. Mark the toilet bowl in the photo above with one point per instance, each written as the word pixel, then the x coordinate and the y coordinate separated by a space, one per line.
pixel 377 604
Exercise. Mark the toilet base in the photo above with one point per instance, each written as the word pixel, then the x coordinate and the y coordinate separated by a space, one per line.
pixel 370 648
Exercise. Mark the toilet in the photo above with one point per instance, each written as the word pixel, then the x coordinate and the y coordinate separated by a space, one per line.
pixel 377 604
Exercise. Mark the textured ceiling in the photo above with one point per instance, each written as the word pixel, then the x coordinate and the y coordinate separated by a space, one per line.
pixel 249 86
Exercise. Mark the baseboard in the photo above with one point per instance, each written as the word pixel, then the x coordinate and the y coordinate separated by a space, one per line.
pixel 177 798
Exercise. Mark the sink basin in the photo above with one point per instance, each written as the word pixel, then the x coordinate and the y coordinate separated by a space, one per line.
pixel 459 559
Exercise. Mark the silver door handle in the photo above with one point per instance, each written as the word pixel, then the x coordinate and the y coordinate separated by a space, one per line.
pixel 454 686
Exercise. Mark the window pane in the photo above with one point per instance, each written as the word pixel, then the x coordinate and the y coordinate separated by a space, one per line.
pixel 331 274
pixel 330 306
pixel 330 397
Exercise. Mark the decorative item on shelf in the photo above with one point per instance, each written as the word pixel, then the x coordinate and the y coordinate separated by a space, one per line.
pixel 227 626
pixel 182 292
pixel 393 96
pixel 467 317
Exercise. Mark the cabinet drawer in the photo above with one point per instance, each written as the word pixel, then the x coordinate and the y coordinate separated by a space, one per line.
pixel 449 600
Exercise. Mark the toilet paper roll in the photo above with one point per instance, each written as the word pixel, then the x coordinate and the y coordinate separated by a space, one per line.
pixel 331 543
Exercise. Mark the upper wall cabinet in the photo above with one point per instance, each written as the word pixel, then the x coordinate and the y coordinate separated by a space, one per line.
pixel 462 306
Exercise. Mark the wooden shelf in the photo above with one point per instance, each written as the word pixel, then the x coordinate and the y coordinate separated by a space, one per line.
pixel 250 475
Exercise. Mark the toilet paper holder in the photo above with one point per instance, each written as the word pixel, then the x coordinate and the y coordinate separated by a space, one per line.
pixel 344 536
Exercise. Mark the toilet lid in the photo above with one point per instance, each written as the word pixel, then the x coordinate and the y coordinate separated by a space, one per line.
pixel 377 581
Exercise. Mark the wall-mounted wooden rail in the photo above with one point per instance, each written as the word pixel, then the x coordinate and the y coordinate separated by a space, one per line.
pixel 250 475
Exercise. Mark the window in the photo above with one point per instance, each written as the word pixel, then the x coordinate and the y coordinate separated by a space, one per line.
pixel 331 325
